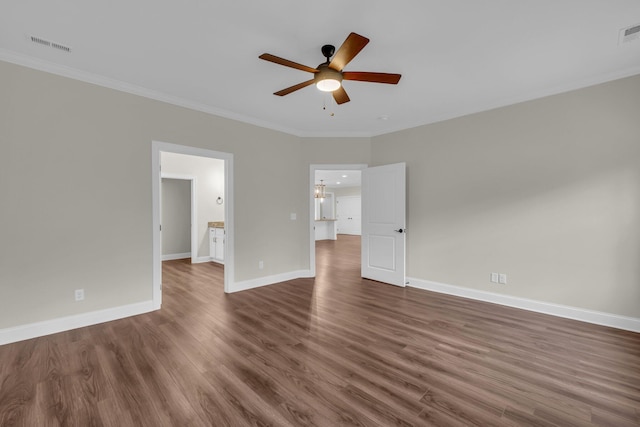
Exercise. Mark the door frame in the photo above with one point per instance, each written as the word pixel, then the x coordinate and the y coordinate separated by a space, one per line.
pixel 229 270
pixel 193 231
pixel 312 177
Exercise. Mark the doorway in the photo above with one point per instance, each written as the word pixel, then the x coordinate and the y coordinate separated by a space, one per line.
pixel 227 206
pixel 340 180
pixel 177 216
pixel 383 225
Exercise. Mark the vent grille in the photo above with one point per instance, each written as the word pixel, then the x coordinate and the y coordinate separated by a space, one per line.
pixel 48 43
pixel 60 47
pixel 629 34
pixel 40 41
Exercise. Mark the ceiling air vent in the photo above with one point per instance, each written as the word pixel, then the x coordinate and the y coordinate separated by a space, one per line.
pixel 40 41
pixel 48 43
pixel 60 47
pixel 629 34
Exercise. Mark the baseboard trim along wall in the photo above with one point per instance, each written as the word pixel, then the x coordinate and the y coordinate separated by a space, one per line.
pixel 201 259
pixel 269 280
pixel 589 316
pixel 39 329
pixel 171 257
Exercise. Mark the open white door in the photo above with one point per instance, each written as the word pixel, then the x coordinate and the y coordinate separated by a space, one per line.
pixel 383 223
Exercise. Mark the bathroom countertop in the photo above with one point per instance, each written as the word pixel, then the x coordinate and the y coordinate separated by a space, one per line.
pixel 216 224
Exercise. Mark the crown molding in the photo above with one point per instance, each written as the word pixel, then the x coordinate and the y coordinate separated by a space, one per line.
pixel 99 80
pixel 517 99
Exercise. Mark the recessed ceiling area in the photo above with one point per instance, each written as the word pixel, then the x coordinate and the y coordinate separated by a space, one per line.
pixel 455 57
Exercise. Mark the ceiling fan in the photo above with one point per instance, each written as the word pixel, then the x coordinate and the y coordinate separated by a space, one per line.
pixel 329 75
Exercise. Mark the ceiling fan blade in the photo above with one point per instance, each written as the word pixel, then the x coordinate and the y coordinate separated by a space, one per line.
pixel 340 95
pixel 294 88
pixel 364 76
pixel 349 49
pixel 286 62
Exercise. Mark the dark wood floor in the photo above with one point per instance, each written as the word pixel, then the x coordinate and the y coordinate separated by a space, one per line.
pixel 337 350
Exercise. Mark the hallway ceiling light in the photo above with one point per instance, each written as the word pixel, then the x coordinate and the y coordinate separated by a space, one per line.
pixel 318 192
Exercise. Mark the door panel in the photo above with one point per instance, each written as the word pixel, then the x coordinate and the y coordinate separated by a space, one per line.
pixel 349 215
pixel 382 252
pixel 383 223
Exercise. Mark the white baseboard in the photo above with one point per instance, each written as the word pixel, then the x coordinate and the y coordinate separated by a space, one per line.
pixel 201 259
pixel 269 280
pixel 39 329
pixel 196 260
pixel 171 257
pixel 589 316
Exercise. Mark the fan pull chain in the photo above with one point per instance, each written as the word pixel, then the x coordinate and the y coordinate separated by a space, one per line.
pixel 324 105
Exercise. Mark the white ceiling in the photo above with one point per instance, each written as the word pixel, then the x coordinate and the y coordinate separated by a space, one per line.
pixel 455 56
pixel 339 178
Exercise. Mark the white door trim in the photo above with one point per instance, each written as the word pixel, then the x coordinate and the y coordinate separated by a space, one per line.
pixel 194 210
pixel 156 148
pixel 312 176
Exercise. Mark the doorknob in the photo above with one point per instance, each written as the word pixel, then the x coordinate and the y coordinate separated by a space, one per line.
pixel 400 230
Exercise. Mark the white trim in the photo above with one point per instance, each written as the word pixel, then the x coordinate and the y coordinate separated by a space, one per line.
pixel 61 324
pixel 575 313
pixel 201 259
pixel 96 79
pixel 229 224
pixel 464 110
pixel 312 208
pixel 270 280
pixel 194 209
pixel 171 257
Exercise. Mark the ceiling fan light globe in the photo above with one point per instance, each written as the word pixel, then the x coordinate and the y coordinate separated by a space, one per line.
pixel 328 85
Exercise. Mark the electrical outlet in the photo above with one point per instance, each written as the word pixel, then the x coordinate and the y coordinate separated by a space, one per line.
pixel 79 294
pixel 293 216
pixel 494 277
pixel 502 279
pixel 260 265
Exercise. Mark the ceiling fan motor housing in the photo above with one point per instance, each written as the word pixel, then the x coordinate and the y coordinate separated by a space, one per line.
pixel 328 50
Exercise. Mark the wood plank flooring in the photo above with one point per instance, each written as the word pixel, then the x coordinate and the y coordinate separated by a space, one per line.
pixel 333 351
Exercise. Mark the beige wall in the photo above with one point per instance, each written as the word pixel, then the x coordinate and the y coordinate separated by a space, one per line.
pixel 336 151
pixel 75 188
pixel 209 174
pixel 546 191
